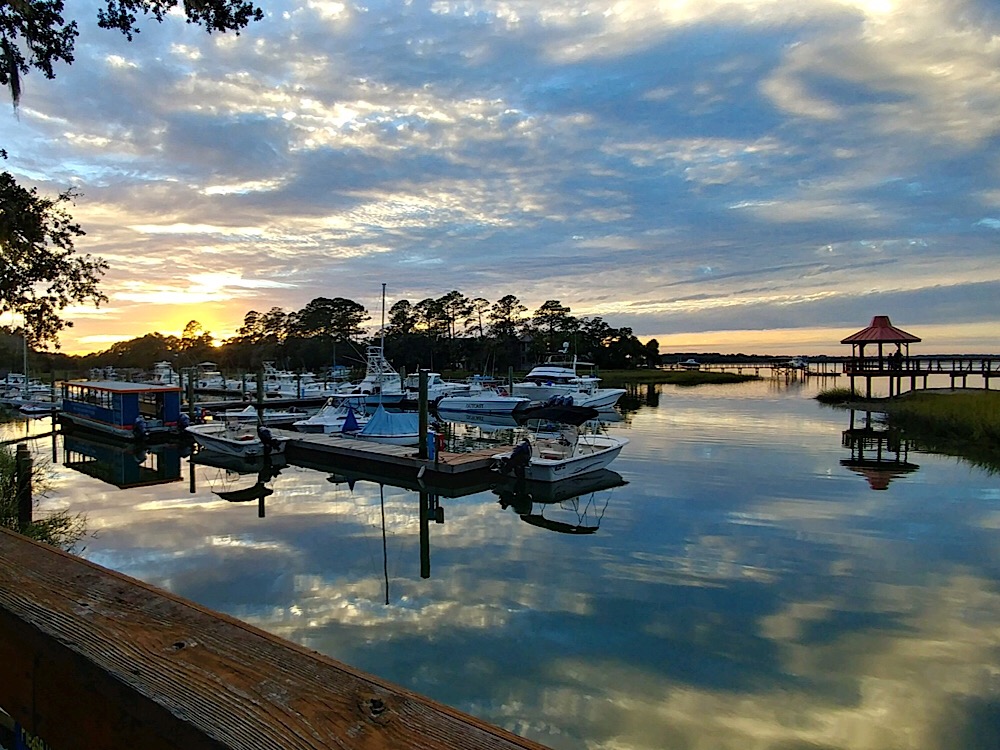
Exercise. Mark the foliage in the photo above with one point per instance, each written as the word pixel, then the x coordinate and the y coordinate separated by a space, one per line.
pixel 34 34
pixel 60 529
pixel 838 396
pixel 971 416
pixel 39 273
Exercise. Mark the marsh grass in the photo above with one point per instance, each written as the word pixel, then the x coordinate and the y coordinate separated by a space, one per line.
pixel 963 423
pixel 60 529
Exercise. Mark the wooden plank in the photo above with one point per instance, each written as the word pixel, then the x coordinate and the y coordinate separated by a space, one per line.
pixel 95 659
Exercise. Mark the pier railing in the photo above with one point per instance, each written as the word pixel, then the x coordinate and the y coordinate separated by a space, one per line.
pixel 95 659
pixel 922 365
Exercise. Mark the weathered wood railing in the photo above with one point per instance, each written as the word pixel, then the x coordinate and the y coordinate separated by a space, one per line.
pixel 95 659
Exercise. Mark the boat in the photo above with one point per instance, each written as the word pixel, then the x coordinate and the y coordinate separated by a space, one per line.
pixel 392 428
pixel 40 406
pixel 560 376
pixel 437 387
pixel 480 399
pixel 556 449
pixel 135 411
pixel 236 439
pixel 270 417
pixel 689 364
pixel 336 415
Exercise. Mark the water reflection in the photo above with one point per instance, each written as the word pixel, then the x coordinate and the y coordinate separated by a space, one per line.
pixel 746 589
pixel 232 470
pixel 576 496
pixel 123 465
pixel 879 453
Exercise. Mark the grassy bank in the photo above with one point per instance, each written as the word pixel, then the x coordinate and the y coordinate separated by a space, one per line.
pixel 964 423
pixel 672 377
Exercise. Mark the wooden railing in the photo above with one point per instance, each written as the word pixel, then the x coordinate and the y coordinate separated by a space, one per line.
pixel 95 659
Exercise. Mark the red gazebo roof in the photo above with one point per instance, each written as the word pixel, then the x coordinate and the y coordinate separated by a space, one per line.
pixel 880 331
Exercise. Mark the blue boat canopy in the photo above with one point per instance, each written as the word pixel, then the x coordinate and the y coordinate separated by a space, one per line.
pixel 384 422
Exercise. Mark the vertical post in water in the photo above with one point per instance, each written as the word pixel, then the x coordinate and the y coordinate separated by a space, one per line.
pixel 422 420
pixel 425 535
pixel 24 501
pixel 260 396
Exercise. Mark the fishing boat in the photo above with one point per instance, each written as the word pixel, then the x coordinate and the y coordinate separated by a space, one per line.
pixel 135 411
pixel 236 439
pixel 482 399
pixel 556 449
pixel 336 415
pixel 560 376
pixel 271 417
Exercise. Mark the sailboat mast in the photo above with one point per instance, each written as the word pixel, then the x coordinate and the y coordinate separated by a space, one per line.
pixel 383 317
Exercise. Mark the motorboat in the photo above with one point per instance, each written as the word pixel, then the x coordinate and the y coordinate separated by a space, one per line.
pixel 689 364
pixel 236 439
pixel 135 411
pixel 561 376
pixel 270 417
pixel 556 449
pixel 336 415
pixel 479 399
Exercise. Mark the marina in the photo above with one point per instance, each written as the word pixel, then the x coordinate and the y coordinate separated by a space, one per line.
pixel 688 567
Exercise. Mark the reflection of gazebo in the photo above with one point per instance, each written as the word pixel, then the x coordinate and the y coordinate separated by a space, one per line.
pixel 879 454
pixel 881 333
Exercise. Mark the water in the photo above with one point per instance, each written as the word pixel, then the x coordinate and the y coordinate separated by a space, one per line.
pixel 744 589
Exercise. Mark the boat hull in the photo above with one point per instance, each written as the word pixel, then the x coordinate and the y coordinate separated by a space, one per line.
pixel 240 441
pixel 592 453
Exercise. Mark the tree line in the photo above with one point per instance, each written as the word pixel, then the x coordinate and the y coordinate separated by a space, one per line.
pixel 451 332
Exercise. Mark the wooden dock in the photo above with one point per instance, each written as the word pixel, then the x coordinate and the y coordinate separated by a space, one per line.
pixel 95 659
pixel 337 447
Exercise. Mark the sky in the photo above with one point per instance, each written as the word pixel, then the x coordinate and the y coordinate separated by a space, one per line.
pixel 756 176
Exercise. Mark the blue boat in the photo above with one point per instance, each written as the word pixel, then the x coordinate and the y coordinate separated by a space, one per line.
pixel 134 411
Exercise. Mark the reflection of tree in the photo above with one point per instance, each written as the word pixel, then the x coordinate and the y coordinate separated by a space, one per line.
pixel 878 452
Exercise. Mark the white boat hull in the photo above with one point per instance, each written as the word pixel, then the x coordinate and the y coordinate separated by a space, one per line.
pixel 598 398
pixel 482 404
pixel 240 441
pixel 592 453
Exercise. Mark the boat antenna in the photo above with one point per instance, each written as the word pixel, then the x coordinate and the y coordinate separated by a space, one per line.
pixel 383 316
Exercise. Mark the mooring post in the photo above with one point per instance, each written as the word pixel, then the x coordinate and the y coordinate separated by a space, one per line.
pixel 422 415
pixel 23 464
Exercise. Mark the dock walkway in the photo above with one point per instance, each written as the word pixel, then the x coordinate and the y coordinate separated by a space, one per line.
pixel 336 446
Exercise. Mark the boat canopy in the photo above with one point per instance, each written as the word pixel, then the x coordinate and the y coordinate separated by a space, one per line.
pixel 384 422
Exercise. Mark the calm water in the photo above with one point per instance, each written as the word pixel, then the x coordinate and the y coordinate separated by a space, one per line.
pixel 744 589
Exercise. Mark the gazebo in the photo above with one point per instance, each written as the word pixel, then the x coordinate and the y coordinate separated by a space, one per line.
pixel 881 333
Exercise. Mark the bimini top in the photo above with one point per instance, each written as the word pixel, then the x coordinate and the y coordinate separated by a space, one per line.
pixel 880 331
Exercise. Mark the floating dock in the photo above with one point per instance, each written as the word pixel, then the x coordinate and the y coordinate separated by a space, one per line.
pixel 337 447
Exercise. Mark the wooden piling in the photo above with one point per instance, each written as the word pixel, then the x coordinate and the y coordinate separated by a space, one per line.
pixel 23 466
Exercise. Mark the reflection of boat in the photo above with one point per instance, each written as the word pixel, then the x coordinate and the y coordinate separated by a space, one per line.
pixel 485 421
pixel 556 449
pixel 259 465
pixel 129 410
pixel 122 464
pixel 528 499
pixel 257 492
pixel 235 439
pixel 336 415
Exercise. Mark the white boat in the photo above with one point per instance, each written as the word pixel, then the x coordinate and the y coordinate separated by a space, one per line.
pixel 482 400
pixel 689 364
pixel 393 428
pixel 272 417
pixel 560 377
pixel 40 406
pixel 556 449
pixel 336 415
pixel 234 439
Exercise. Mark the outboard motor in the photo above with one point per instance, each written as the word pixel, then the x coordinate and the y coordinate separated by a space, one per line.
pixel 139 429
pixel 266 439
pixel 183 422
pixel 519 458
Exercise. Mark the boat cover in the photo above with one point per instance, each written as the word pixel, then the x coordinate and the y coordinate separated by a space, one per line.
pixel 384 422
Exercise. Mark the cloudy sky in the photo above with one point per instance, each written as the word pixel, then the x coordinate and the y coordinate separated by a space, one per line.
pixel 722 175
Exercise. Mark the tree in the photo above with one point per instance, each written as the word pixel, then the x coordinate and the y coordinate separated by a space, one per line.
pixel 39 273
pixel 34 34
pixel 335 319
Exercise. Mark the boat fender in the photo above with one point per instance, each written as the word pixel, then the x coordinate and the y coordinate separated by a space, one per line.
pixel 439 442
